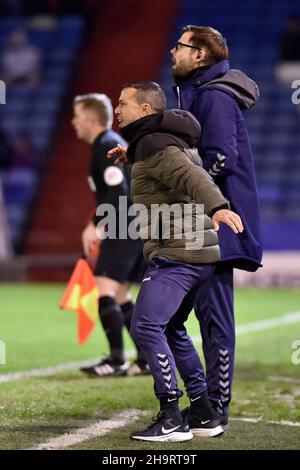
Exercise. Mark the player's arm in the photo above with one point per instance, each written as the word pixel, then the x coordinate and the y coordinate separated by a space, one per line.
pixel 114 184
pixel 89 238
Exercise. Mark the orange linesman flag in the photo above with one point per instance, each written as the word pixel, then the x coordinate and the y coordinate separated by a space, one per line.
pixel 81 295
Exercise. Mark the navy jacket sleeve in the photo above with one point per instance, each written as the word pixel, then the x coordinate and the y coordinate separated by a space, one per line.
pixel 216 112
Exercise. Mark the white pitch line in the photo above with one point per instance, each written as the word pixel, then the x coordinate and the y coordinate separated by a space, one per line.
pixel 102 427
pixel 98 429
pixel 289 380
pixel 287 319
pixel 282 422
pixel 261 325
pixel 44 372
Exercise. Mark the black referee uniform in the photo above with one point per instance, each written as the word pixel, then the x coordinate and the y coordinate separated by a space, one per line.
pixel 119 259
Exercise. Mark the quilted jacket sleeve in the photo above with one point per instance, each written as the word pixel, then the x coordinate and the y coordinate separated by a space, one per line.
pixel 174 169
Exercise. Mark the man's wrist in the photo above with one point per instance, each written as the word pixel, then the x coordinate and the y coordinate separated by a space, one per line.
pixel 219 208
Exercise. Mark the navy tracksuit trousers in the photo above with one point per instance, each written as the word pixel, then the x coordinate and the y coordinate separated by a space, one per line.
pixel 215 312
pixel 166 298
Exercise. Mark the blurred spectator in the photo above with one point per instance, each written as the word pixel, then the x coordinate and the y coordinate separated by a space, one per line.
pixel 4 152
pixel 5 237
pixel 12 7
pixel 23 154
pixel 86 8
pixel 21 60
pixel 288 68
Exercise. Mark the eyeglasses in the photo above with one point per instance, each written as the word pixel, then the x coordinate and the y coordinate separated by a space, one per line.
pixel 185 45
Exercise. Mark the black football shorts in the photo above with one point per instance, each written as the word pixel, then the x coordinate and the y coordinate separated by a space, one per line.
pixel 121 260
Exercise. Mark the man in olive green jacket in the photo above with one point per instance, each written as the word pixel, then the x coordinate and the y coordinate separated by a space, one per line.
pixel 181 248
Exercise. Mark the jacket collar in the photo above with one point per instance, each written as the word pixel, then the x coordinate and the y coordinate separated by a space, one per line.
pixel 156 131
pixel 200 76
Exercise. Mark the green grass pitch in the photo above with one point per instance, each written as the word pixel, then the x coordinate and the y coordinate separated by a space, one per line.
pixel 38 334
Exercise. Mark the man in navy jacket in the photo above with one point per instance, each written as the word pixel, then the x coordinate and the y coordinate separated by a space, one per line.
pixel 216 95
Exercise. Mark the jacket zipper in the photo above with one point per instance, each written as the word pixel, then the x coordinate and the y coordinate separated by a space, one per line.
pixel 178 97
pixel 160 229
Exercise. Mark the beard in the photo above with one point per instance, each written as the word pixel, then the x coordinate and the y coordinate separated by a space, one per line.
pixel 180 71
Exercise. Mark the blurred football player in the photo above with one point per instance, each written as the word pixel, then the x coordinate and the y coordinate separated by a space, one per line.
pixel 120 261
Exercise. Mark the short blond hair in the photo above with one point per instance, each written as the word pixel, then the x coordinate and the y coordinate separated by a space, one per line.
pixel 100 104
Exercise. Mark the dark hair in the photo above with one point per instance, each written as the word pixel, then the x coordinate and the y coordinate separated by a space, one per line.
pixel 151 93
pixel 211 40
pixel 100 104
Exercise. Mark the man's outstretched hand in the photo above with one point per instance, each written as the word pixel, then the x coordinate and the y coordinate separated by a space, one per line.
pixel 120 152
pixel 230 218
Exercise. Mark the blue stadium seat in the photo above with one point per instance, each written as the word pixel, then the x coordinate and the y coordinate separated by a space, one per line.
pixel 19 185
pixel 34 110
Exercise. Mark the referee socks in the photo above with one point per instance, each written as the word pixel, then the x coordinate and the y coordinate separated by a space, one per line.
pixel 112 320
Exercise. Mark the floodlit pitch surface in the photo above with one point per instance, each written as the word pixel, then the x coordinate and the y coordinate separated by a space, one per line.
pixel 57 407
